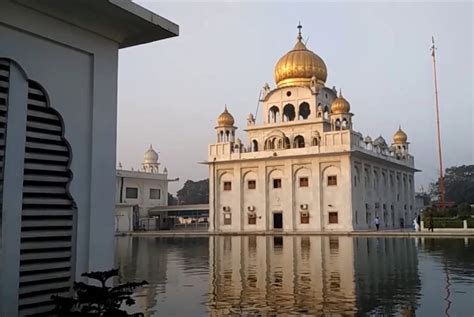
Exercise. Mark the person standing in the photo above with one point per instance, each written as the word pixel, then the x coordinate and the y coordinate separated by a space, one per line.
pixel 377 222
pixel 418 221
pixel 430 223
pixel 415 224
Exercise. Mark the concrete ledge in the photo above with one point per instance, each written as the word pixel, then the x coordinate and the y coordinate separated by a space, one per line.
pixel 458 233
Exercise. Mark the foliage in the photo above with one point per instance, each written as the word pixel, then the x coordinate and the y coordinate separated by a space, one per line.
pixel 459 184
pixel 470 223
pixel 97 301
pixel 172 201
pixel 462 211
pixel 194 192
pixel 447 223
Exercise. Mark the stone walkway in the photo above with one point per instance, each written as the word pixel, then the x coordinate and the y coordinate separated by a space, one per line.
pixel 382 233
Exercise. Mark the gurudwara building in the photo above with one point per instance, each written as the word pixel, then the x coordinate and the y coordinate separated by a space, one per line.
pixel 305 168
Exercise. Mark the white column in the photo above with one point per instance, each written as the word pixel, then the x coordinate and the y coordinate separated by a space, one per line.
pixel 13 192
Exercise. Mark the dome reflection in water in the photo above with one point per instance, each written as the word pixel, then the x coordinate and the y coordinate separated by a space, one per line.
pixel 299 275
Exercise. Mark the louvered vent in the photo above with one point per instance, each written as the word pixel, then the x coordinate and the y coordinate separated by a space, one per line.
pixel 48 215
pixel 4 79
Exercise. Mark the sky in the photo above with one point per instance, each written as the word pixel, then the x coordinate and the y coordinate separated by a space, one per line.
pixel 171 91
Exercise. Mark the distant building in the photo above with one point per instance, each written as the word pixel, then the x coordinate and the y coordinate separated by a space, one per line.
pixel 305 168
pixel 58 110
pixel 139 190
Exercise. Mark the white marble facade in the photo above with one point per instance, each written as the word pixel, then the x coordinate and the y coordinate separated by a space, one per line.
pixel 304 168
pixel 144 188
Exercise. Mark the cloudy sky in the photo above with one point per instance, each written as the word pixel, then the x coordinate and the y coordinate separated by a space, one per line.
pixel 171 91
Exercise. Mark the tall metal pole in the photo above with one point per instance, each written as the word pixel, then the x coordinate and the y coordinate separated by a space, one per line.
pixel 438 130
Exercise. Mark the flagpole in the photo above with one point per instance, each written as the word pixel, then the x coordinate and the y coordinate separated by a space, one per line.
pixel 438 129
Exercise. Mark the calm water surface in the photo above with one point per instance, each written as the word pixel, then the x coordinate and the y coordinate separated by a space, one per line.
pixel 300 276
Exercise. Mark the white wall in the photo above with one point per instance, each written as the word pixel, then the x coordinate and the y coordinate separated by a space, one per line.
pixel 78 69
pixel 144 184
pixel 123 218
pixel 287 199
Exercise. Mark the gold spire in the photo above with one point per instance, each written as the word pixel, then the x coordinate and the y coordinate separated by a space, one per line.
pixel 299 37
pixel 298 66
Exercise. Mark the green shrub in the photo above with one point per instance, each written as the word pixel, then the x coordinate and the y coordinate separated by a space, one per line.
pixel 470 223
pixel 444 222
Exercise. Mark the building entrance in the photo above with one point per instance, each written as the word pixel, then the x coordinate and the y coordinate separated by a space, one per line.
pixel 277 220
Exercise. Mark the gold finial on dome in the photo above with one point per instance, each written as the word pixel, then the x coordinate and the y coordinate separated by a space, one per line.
pixel 299 31
pixel 340 105
pixel 400 137
pixel 225 119
pixel 298 66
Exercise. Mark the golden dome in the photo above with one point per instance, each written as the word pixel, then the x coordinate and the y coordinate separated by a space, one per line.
pixel 299 66
pixel 340 105
pixel 225 119
pixel 400 137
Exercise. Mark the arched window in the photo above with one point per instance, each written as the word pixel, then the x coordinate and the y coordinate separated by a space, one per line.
pixel 286 143
pixel 254 146
pixel 304 111
pixel 273 114
pixel 266 145
pixel 345 125
pixel 227 136
pixel 280 144
pixel 221 139
pixel 315 141
pixel 298 142
pixel 273 143
pixel 326 112
pixel 338 124
pixel 367 178
pixel 289 113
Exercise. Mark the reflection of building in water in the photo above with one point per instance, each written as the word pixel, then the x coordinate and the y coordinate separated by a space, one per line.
pixel 265 274
pixel 148 258
pixel 139 259
pixel 309 275
pixel 387 267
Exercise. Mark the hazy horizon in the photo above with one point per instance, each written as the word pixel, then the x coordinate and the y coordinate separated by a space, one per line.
pixel 171 91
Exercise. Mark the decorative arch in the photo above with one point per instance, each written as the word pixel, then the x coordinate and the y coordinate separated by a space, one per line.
pixel 344 124
pixel 286 143
pixel 356 176
pixel 330 167
pixel 289 112
pixel 302 171
pixel 298 141
pixel 275 173
pixel 326 112
pixel 47 161
pixel 304 111
pixel 254 146
pixel 224 176
pixel 273 114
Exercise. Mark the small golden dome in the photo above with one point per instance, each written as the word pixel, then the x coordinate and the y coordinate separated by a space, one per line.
pixel 225 119
pixel 299 66
pixel 340 105
pixel 400 137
